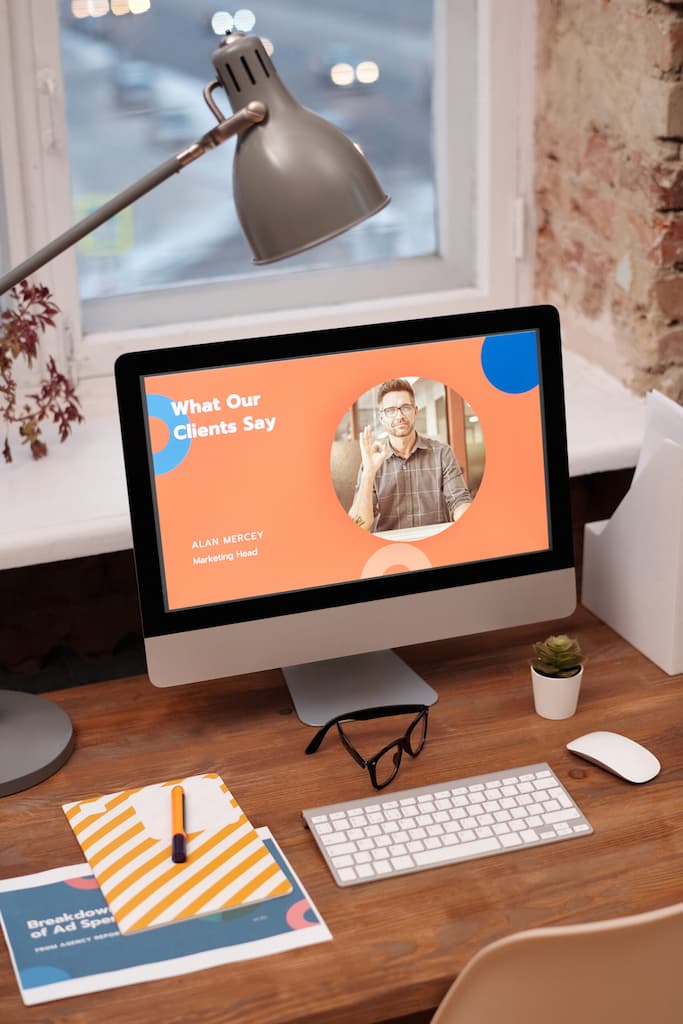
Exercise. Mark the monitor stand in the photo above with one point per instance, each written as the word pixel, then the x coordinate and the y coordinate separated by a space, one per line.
pixel 324 689
pixel 36 739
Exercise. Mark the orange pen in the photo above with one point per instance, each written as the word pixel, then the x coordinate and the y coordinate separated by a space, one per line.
pixel 178 850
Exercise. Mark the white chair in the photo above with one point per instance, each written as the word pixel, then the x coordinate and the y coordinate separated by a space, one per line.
pixel 625 971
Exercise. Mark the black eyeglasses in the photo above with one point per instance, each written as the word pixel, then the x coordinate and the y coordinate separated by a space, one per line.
pixel 383 767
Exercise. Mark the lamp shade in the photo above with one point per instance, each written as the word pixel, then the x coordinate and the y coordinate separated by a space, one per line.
pixel 297 179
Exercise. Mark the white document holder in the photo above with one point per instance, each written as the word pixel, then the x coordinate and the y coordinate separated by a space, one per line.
pixel 633 562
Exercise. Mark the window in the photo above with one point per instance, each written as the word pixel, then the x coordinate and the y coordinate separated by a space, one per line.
pixel 103 90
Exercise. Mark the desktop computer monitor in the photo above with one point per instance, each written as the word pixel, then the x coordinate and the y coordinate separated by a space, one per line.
pixel 311 501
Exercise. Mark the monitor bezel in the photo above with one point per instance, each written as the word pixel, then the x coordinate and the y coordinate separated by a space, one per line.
pixel 131 369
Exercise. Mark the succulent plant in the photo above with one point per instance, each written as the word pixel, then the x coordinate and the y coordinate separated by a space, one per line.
pixel 558 656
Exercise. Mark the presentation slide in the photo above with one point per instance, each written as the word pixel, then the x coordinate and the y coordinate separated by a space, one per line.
pixel 258 478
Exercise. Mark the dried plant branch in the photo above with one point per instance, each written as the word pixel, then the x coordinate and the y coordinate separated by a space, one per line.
pixel 56 400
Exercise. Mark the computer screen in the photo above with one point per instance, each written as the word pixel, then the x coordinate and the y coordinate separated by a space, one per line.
pixel 303 498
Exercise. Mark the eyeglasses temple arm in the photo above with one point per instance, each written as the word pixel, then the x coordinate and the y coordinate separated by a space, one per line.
pixel 360 716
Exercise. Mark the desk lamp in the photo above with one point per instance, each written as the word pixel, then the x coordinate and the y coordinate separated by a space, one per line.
pixel 297 181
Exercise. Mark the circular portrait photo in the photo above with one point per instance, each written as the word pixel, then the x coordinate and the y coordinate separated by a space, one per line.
pixel 407 458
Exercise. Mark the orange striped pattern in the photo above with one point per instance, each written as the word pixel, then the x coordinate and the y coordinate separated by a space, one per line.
pixel 227 864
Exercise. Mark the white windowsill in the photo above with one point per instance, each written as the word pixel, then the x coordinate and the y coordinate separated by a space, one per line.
pixel 74 502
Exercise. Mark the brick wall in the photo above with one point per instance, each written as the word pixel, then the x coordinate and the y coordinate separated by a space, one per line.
pixel 609 183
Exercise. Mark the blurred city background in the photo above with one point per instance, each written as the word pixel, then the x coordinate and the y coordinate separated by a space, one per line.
pixel 134 71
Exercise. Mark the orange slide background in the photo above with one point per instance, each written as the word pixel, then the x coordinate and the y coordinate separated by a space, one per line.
pixel 279 482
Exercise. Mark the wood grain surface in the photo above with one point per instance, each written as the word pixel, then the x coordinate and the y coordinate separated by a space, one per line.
pixel 397 943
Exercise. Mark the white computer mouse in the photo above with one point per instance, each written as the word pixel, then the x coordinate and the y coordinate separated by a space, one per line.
pixel 617 754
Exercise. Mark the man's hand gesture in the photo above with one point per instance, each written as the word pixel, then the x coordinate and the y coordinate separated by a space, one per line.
pixel 373 452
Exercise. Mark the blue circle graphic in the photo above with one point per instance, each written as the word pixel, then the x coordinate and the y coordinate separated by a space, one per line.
pixel 510 361
pixel 175 450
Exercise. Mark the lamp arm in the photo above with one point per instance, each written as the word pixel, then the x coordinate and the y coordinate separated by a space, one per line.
pixel 253 113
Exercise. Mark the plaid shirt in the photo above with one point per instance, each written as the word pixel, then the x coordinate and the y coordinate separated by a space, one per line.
pixel 422 490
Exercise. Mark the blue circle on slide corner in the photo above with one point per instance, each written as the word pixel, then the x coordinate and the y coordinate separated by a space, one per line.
pixel 174 451
pixel 510 361
pixel 33 977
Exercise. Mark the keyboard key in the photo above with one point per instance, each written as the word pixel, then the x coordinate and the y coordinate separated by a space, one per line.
pixel 564 815
pixel 335 839
pixel 343 862
pixel 365 870
pixel 347 874
pixel 340 848
pixel 511 839
pixel 445 853
pixel 401 863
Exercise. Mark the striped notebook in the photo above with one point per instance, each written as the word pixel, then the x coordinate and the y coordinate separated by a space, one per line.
pixel 126 838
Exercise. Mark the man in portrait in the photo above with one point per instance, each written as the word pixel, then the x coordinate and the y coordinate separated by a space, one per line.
pixel 408 479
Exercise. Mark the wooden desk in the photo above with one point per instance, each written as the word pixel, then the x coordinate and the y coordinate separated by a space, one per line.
pixel 397 943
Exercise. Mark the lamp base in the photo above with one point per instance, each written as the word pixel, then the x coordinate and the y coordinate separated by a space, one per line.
pixel 36 739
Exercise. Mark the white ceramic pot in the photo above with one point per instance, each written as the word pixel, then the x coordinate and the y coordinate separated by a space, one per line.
pixel 553 697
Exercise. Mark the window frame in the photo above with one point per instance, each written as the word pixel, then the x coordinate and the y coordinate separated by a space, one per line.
pixel 33 153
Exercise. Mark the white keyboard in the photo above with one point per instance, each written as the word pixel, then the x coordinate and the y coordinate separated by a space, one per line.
pixel 396 833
